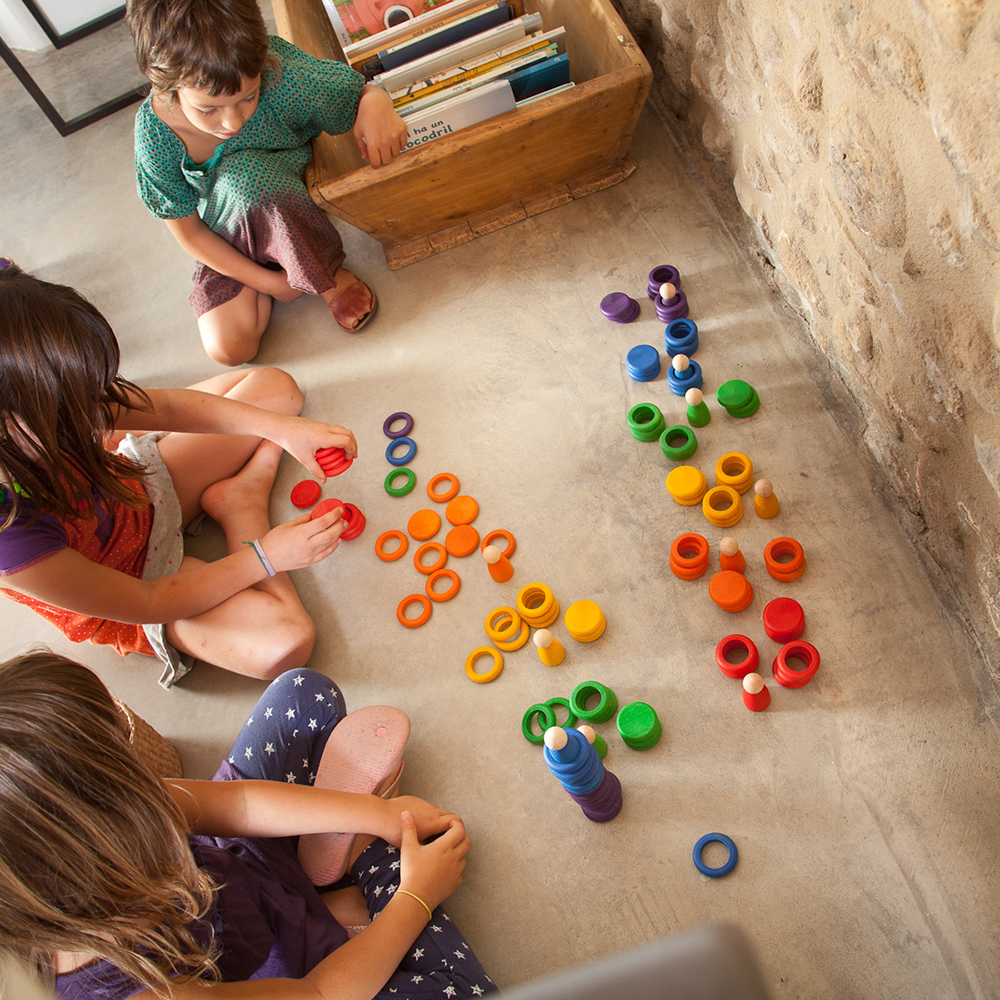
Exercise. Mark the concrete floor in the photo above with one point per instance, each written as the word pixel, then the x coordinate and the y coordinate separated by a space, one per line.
pixel 864 805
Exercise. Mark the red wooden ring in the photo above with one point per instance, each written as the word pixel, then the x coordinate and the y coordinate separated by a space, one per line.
pixel 430 547
pixel 421 618
pixel 449 574
pixel 325 506
pixel 799 650
pixel 355 522
pixel 747 665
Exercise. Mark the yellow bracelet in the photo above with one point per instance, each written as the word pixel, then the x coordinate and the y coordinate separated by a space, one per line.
pixel 406 892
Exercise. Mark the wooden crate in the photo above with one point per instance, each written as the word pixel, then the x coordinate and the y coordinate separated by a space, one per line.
pixel 501 171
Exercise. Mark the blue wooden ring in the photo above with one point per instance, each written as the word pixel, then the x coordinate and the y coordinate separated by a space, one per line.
pixel 391 419
pixel 407 456
pixel 715 838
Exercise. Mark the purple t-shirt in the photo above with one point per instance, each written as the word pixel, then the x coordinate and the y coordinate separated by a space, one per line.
pixel 269 919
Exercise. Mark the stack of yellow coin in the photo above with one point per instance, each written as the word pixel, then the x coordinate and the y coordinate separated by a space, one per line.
pixel 687 485
pixel 722 506
pixel 537 605
pixel 585 621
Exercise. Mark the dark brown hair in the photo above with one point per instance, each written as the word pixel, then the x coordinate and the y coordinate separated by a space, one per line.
pixel 93 850
pixel 60 393
pixel 203 44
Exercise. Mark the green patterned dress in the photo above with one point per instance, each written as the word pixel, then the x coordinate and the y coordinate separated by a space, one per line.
pixel 251 191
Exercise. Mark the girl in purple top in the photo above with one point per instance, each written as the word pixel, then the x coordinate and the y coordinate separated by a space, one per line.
pixel 117 884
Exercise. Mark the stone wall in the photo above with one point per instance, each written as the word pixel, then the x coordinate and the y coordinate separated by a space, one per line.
pixel 862 142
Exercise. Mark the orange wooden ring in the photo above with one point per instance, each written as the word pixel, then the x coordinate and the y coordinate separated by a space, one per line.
pixel 439 574
pixel 421 618
pixel 387 536
pixel 423 524
pixel 448 493
pixel 491 536
pixel 689 556
pixel 461 540
pixel 462 510
pixel 423 550
pixel 788 569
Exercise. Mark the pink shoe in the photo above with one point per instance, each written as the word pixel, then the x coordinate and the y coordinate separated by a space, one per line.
pixel 362 753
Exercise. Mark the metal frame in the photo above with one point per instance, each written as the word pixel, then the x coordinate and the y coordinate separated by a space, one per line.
pixel 63 126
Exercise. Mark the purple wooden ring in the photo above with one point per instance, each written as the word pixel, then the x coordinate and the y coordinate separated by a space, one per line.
pixel 391 419
pixel 660 275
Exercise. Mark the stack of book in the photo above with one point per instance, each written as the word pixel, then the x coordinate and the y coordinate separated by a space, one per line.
pixel 454 65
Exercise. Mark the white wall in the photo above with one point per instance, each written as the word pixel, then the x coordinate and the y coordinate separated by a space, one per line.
pixel 20 31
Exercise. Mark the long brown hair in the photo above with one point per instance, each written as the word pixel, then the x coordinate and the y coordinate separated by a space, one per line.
pixel 93 850
pixel 60 393
pixel 204 44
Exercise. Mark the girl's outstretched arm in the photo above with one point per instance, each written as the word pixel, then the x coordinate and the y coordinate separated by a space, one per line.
pixel 210 248
pixel 274 809
pixel 70 580
pixel 206 413
pixel 379 132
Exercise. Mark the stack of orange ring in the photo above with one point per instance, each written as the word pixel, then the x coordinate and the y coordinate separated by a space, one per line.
pixel 442 477
pixel 689 556
pixel 491 537
pixel 492 674
pixel 732 591
pixel 796 650
pixel 687 485
pixel 418 557
pixel 505 627
pixel 734 469
pixel 537 605
pixel 722 506
pixel 387 536
pixel 784 559
pixel 448 574
pixel 585 621
pixel 421 618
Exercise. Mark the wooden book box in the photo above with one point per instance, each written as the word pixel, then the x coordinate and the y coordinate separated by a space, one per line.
pixel 501 171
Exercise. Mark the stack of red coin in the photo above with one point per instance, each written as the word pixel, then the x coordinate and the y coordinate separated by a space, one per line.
pixel 333 461
pixel 353 517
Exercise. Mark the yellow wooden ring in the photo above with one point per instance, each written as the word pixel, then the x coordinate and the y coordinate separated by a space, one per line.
pixel 507 631
pixel 492 674
pixel 517 642
pixel 536 612
pixel 736 470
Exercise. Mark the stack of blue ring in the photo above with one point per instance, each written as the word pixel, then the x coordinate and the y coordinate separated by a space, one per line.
pixel 578 767
pixel 691 379
pixel 643 363
pixel 681 337
pixel 397 438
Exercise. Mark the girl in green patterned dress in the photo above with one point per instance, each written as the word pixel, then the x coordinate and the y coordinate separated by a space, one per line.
pixel 220 148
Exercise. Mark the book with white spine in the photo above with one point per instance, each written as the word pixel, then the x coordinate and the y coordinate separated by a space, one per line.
pixel 459 112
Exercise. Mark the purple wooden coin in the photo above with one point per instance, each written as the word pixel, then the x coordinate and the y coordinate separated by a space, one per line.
pixel 619 307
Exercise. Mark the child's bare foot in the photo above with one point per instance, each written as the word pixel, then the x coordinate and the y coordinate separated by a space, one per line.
pixel 349 908
pixel 249 490
pixel 350 302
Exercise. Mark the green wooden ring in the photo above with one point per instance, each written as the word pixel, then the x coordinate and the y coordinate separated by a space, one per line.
pixel 648 429
pixel 545 714
pixel 400 491
pixel 678 452
pixel 571 719
pixel 606 707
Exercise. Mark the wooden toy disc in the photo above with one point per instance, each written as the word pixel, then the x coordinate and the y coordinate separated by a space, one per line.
pixel 423 524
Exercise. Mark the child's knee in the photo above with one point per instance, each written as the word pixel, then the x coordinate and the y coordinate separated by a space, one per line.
pixel 276 390
pixel 287 646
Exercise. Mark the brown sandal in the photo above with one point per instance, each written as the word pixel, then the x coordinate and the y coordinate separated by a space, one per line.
pixel 354 306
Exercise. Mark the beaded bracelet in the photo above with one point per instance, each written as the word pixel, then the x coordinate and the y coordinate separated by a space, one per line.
pixel 264 561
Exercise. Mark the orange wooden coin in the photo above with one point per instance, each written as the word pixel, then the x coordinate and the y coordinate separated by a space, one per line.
pixel 423 524
pixel 461 510
pixel 462 540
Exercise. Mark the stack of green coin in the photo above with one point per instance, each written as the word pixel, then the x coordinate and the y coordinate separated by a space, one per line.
pixel 739 398
pixel 646 422
pixel 639 726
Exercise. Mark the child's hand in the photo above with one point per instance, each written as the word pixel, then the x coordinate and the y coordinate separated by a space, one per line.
pixel 303 438
pixel 303 541
pixel 432 871
pixel 430 820
pixel 379 132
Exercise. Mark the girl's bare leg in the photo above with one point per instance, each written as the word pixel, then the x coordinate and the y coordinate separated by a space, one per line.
pixel 231 332
pixel 263 630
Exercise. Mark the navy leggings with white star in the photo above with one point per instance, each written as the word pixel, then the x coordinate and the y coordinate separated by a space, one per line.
pixel 283 740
